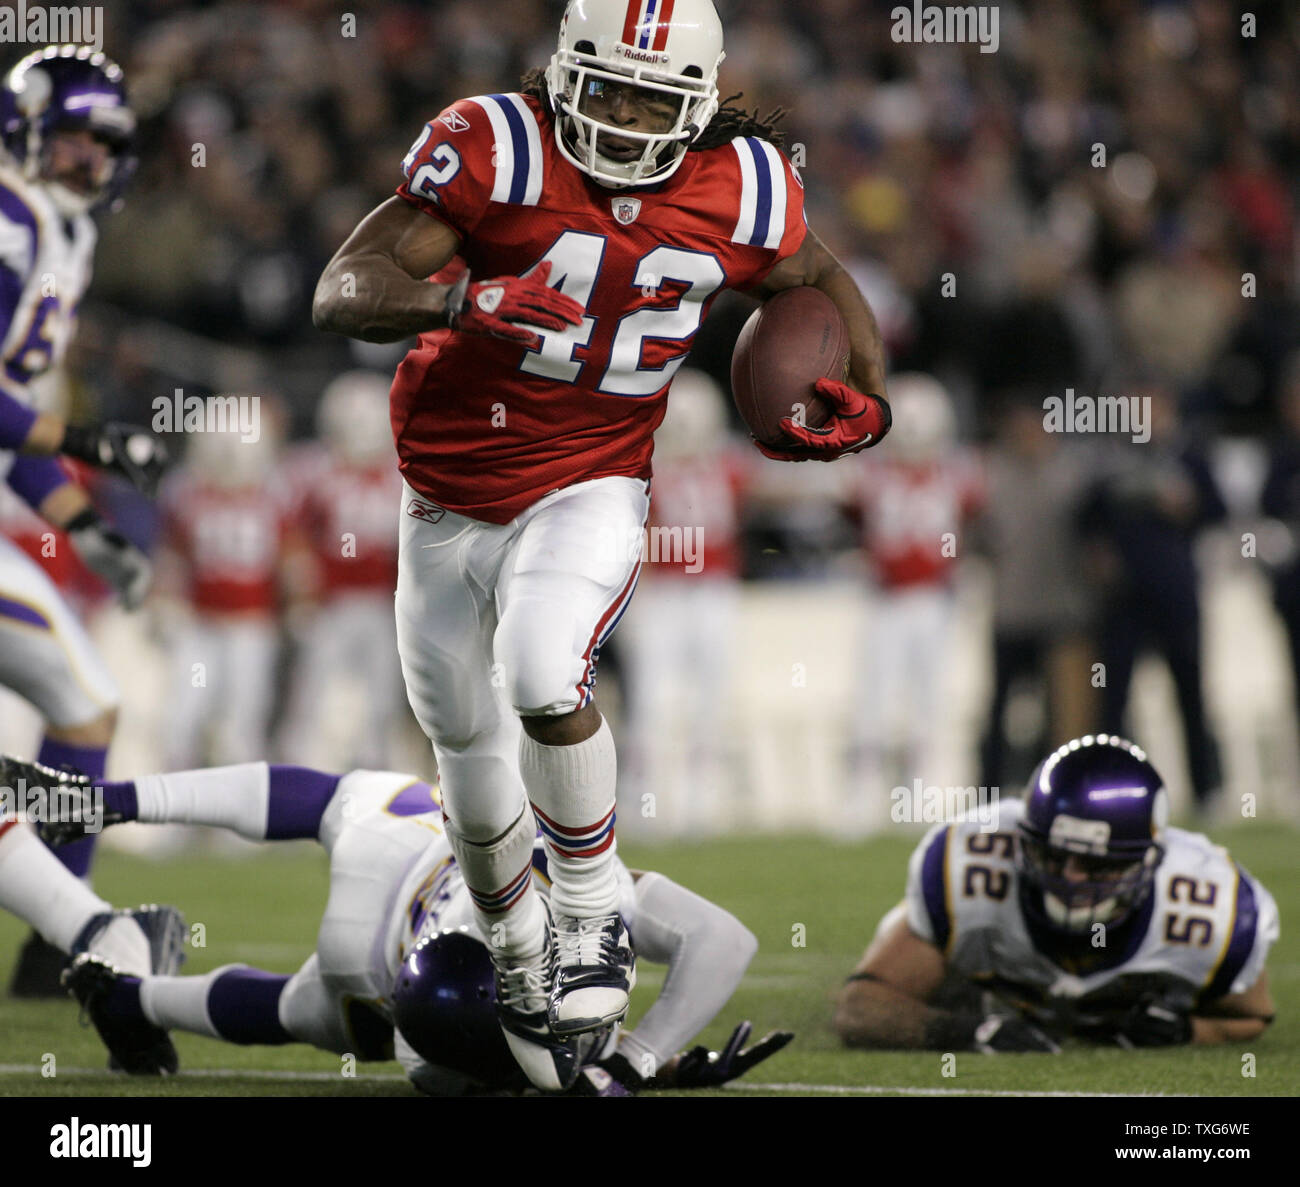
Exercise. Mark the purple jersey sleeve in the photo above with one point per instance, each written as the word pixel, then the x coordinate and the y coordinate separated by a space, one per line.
pixel 33 478
pixel 16 422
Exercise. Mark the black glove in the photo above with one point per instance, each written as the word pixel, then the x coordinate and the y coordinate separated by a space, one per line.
pixel 1010 1032
pixel 701 1068
pixel 128 450
pixel 987 1034
pixel 112 556
pixel 1153 1022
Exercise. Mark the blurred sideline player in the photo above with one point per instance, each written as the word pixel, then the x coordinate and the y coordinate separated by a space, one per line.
pixel 1084 914
pixel 678 636
pixel 595 240
pixel 224 514
pixel 398 942
pixel 909 502
pixel 344 536
pixel 67 134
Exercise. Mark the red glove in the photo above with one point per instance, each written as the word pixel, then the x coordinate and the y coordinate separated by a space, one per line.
pixel 509 305
pixel 860 421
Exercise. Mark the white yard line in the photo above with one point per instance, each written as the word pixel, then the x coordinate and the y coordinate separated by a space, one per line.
pixel 20 1069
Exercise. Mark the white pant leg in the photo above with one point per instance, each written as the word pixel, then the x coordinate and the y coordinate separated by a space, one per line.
pixel 45 654
pixel 568 579
pixel 247 651
pixel 446 616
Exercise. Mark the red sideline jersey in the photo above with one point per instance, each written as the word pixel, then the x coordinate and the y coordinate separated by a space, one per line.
pixel 486 427
pixel 345 515
pixel 908 507
pixel 229 542
pixel 695 511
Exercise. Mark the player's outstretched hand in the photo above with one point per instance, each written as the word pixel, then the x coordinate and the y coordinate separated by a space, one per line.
pixel 702 1068
pixel 860 421
pixel 511 307
pixel 1010 1032
pixel 129 450
pixel 110 555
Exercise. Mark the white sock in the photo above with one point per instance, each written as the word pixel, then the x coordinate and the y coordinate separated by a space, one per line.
pixel 180 1003
pixel 499 877
pixel 573 791
pixel 233 797
pixel 36 887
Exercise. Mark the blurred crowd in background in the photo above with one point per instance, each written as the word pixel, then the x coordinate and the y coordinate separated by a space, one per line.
pixel 1106 204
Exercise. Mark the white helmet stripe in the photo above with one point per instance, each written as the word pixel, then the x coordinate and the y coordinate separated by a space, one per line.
pixel 518 149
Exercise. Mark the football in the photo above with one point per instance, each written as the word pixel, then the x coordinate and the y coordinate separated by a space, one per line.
pixel 790 342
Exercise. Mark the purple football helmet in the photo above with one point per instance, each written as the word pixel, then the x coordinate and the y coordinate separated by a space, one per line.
pixel 1089 838
pixel 68 87
pixel 444 1003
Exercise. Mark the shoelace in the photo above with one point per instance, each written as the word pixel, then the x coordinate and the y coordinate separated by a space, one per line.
pixel 591 942
pixel 516 985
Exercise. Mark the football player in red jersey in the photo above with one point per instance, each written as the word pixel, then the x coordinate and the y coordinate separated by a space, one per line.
pixel 595 214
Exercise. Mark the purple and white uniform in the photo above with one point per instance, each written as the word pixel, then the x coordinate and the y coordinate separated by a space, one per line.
pixel 1204 932
pixel 45 267
pixel 393 880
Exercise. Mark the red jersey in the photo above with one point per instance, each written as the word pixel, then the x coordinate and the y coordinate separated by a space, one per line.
pixel 908 509
pixel 346 516
pixel 228 540
pixel 49 547
pixel 486 427
pixel 694 527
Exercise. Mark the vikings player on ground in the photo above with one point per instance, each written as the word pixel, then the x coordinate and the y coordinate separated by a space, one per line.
pixel 1083 914
pixel 67 134
pixel 597 213
pixel 397 944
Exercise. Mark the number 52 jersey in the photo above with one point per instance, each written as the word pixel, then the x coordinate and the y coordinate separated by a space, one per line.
pixel 486 427
pixel 1204 932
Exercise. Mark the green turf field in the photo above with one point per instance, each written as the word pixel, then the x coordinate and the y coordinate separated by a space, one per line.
pixel 263 910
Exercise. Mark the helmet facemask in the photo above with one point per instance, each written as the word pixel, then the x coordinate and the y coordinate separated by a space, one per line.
pixel 578 79
pixel 1112 888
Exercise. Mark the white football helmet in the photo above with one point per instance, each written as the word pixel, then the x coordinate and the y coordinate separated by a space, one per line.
pixel 670 47
pixel 925 423
pixel 695 422
pixel 352 418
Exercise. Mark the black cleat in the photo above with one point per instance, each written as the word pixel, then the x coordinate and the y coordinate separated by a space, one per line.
pixel 36 975
pixel 63 805
pixel 135 1045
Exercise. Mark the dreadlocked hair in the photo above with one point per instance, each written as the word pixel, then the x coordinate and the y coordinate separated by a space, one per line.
pixel 727 123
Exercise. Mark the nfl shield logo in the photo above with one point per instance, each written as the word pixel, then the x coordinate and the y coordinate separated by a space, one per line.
pixel 626 209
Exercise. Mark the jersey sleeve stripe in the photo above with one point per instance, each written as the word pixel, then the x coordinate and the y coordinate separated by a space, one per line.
pixel 934 887
pixel 748 192
pixel 518 178
pixel 533 134
pixel 763 195
pixel 776 211
pixel 1236 951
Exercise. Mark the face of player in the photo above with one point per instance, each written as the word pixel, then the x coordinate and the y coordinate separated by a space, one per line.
pixel 79 160
pixel 626 106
